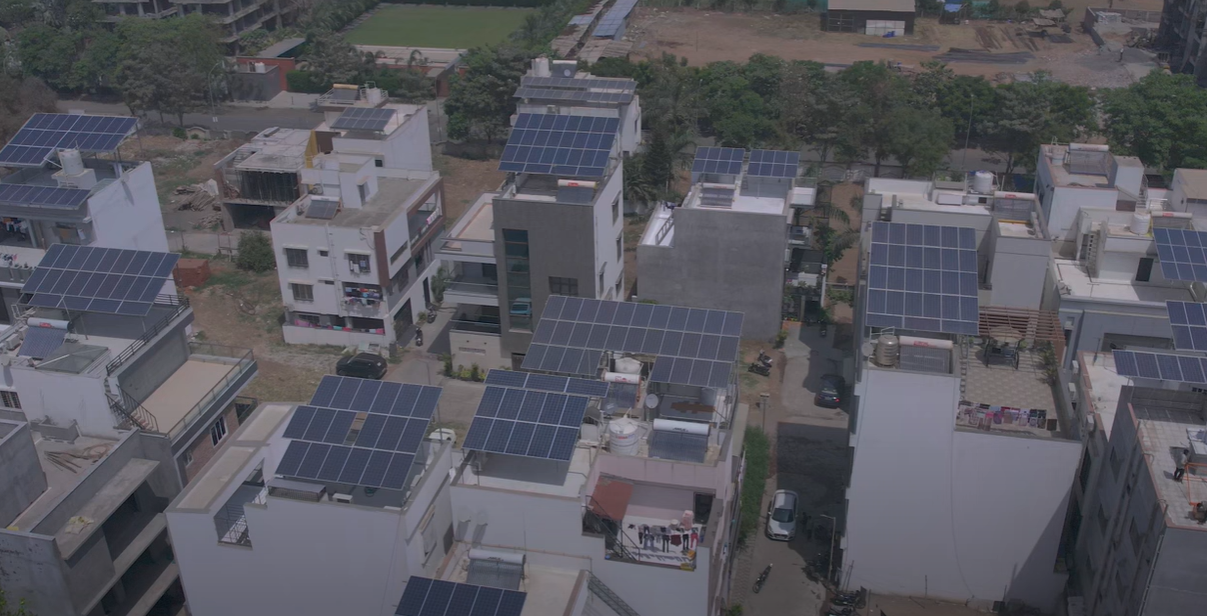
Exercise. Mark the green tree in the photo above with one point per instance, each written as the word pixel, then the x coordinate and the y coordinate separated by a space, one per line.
pixel 878 90
pixel 8 610
pixel 637 188
pixel 481 101
pixel 929 85
pixel 19 98
pixel 330 59
pixel 1033 113
pixel 49 53
pixel 658 163
pixel 255 252
pixel 965 98
pixel 736 114
pixel 918 139
pixel 167 65
pixel 812 107
pixel 1162 119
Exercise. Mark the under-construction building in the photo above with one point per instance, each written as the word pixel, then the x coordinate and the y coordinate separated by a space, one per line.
pixel 1181 33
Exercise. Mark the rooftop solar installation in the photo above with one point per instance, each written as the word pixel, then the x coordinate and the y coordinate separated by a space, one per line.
pixel 580 83
pixel 322 209
pixel 680 446
pixel 48 197
pixel 566 145
pixel 527 422
pixel 698 372
pixel 923 277
pixel 40 342
pixel 1161 366
pixel 562 359
pixel 1189 323
pixel 546 382
pixel 722 161
pixel 359 432
pixel 44 133
pixel 773 164
pixel 581 20
pixel 581 96
pixel 613 20
pixel 105 280
pixel 428 597
pixel 364 118
pixel 1183 253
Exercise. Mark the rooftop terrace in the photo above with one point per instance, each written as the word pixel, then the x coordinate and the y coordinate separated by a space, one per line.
pixel 65 464
pixel 1166 421
pixel 1103 384
pixel 1077 282
pixel 392 198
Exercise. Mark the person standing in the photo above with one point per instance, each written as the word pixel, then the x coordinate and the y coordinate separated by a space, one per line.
pixel 1181 458
pixel 666 538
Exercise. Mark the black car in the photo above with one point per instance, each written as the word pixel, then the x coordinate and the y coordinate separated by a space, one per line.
pixel 830 394
pixel 362 365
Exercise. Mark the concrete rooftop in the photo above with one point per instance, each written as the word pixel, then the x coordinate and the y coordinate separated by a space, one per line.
pixel 998 384
pixel 531 475
pixel 392 198
pixel 276 149
pixel 1099 374
pixel 1163 418
pixel 185 389
pixel 1081 284
pixel 79 457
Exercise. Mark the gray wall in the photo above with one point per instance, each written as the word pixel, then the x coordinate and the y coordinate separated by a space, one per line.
pixel 30 569
pixel 561 242
pixel 158 361
pixel 22 480
pixel 723 260
pixel 1179 575
pixel 1094 320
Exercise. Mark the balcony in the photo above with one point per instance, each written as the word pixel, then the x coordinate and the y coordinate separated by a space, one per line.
pixel 474 291
pixel 211 376
pixel 472 239
pixel 475 319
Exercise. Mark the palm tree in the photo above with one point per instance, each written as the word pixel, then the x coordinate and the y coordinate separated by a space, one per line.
pixel 637 188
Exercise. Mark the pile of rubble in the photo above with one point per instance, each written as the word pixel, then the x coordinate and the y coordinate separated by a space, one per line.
pixel 201 197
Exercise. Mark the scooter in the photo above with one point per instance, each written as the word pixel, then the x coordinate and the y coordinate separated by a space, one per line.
pixel 758 584
pixel 418 337
pixel 762 365
pixel 841 611
pixel 823 329
pixel 431 313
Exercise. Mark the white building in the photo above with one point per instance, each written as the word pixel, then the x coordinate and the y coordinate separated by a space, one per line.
pixel 558 87
pixel 1074 177
pixel 355 255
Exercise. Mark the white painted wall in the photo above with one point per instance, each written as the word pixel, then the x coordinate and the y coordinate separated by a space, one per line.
pixel 471 348
pixel 126 214
pixel 408 147
pixel 951 514
pixel 1018 272
pixel 338 241
pixel 63 398
pixel 1067 201
pixel 606 232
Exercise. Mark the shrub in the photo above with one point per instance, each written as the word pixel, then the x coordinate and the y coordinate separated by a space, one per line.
pixel 758 456
pixel 448 364
pixel 475 373
pixel 305 82
pixel 179 133
pixel 780 338
pixel 255 253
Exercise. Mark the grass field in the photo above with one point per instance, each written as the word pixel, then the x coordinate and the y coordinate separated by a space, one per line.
pixel 436 26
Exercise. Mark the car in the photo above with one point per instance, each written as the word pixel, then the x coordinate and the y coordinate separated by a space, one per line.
pixel 830 393
pixel 362 365
pixel 782 515
pixel 522 307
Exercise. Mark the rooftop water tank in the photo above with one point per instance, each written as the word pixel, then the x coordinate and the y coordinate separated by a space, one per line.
pixel 624 437
pixel 1140 222
pixel 888 348
pixel 982 182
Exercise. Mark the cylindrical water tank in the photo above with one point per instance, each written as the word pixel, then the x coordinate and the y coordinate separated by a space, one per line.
pixel 708 396
pixel 1140 222
pixel 933 343
pixel 628 365
pixel 624 437
pixel 887 349
pixel 686 427
pixel 71 161
pixel 982 182
pixel 620 377
pixel 1089 147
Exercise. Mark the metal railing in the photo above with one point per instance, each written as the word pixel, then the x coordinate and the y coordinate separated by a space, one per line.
pixel 244 360
pixel 482 287
pixel 180 302
pixel 129 413
pixel 477 327
pixel 609 597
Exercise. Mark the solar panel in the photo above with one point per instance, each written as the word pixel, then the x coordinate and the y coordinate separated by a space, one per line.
pixel 1183 253
pixel 1189 323
pixel 583 96
pixel 721 161
pixel 359 432
pixel 1161 366
pixel 428 597
pixel 44 133
pixel 49 197
pixel 580 83
pixel 698 372
pixel 680 446
pixel 526 422
pixel 104 280
pixel 364 118
pixel 40 342
pixel 322 209
pixel 614 19
pixel 546 382
pixel 773 164
pixel 923 277
pixel 566 145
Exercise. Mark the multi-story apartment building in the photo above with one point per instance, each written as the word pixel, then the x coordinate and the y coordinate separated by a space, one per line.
pixel 954 379
pixel 233 17
pixel 733 231
pixel 1181 34
pixel 355 255
pixel 82 529
pixel 558 87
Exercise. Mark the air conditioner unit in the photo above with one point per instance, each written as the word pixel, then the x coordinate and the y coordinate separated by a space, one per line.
pixel 342 498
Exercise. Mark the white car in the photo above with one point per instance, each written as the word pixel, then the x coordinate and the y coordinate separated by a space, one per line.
pixel 782 515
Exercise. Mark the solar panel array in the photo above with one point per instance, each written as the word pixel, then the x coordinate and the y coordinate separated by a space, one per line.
pixel 50 197
pixel 1161 366
pixel 547 382
pixel 722 161
pixel 684 371
pixel 359 432
pixel 44 133
pixel 581 20
pixel 580 83
pixel 1183 253
pixel 575 331
pixel 1189 323
pixel 428 597
pixel 364 118
pixel 527 422
pixel 40 342
pixel 107 280
pixel 322 209
pixel 613 20
pixel 580 96
pixel 923 277
pixel 773 164
pixel 566 145
pixel 681 446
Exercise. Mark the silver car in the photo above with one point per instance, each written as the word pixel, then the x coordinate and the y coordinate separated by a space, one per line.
pixel 782 515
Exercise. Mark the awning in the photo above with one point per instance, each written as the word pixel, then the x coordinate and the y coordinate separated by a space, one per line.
pixel 611 498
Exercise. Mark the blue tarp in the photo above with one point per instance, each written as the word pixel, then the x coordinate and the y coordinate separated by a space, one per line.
pixel 952 8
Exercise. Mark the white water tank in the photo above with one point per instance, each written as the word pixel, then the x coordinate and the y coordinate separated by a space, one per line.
pixel 1140 222
pixel 624 437
pixel 621 377
pixel 260 67
pixel 888 347
pixel 982 182
pixel 71 161
pixel 628 365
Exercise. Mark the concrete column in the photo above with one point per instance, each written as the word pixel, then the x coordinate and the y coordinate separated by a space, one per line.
pixel 140 10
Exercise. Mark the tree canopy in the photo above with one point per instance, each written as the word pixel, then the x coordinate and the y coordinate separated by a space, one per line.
pixel 1162 119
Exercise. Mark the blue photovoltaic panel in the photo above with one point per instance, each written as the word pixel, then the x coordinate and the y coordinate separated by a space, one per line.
pixel 527 422
pixel 428 597
pixel 106 280
pixel 546 382
pixel 364 118
pixel 923 277
pixel 564 145
pixel 45 133
pixel 1189 323
pixel 721 161
pixel 384 398
pixel 698 372
pixel 773 164
pixel 47 197
pixel 610 24
pixel 1161 366
pixel 40 342
pixel 1183 253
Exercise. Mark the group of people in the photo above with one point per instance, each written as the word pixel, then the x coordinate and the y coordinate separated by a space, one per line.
pixel 651 537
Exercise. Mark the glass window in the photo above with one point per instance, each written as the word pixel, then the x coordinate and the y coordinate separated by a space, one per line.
pixel 9 399
pixel 358 263
pixel 218 432
pixel 519 282
pixel 302 292
pixel 296 257
pixel 563 286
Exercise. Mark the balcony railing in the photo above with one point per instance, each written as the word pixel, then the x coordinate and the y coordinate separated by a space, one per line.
pixel 180 304
pixel 473 286
pixel 243 362
pixel 477 327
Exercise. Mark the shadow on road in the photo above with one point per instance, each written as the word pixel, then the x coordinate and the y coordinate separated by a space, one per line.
pixel 815 462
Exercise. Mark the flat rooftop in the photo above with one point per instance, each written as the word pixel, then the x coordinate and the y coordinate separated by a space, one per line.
pixel 1165 420
pixel 520 474
pixel 275 149
pixel 402 113
pixel 478 223
pixel 1104 384
pixel 77 458
pixel 550 590
pixel 224 469
pixel 392 198
pixel 1081 284
pixel 1063 176
pixel 1018 390
pixel 186 388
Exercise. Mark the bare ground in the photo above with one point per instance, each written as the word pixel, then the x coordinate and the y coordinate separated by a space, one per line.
pixel 464 181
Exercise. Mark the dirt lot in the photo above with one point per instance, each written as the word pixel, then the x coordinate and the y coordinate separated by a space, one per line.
pixel 177 162
pixel 736 36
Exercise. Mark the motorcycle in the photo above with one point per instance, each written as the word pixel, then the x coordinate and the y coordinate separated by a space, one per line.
pixel 823 329
pixel 418 337
pixel 758 584
pixel 431 313
pixel 762 365
pixel 841 611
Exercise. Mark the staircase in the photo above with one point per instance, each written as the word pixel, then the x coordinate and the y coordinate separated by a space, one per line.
pixel 608 596
pixel 129 413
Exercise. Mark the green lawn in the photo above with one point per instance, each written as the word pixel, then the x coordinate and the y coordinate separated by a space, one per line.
pixel 436 26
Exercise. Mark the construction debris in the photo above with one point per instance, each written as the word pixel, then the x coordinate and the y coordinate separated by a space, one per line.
pixel 198 197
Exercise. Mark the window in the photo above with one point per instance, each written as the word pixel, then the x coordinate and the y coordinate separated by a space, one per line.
pixel 1145 269
pixel 1103 524
pixel 620 248
pixel 302 292
pixel 616 209
pixel 9 399
pixel 363 189
pixel 563 286
pixel 323 252
pixel 296 257
pixel 188 458
pixel 1116 463
pixel 519 285
pixel 218 432
pixel 379 163
pixel 358 263
pixel 327 281
pixel 619 279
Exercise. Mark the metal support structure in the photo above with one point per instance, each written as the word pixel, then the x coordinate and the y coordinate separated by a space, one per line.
pixel 833 538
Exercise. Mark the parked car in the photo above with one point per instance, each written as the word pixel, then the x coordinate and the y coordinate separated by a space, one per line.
pixel 362 365
pixel 782 514
pixel 832 388
pixel 522 307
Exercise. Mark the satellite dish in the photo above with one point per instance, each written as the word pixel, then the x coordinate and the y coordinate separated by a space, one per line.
pixel 651 401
